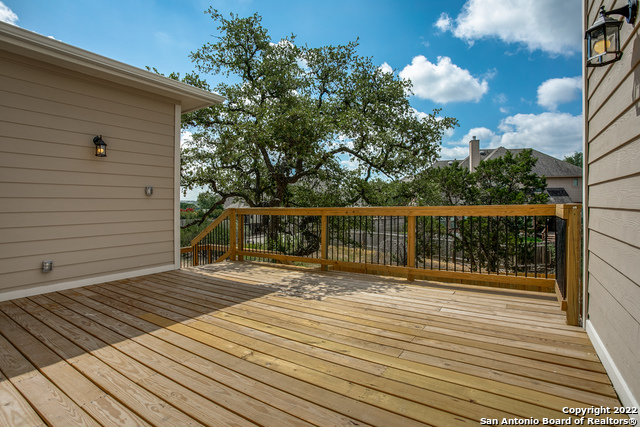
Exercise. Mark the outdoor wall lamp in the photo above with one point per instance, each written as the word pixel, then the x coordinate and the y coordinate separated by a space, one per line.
pixel 603 38
pixel 101 146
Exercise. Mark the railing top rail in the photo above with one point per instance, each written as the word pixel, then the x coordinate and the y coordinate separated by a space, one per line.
pixel 492 210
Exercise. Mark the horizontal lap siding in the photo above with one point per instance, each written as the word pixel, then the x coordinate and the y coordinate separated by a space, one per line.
pixel 57 200
pixel 613 185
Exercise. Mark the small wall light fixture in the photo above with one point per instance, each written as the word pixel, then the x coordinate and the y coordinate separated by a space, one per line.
pixel 101 146
pixel 148 190
pixel 47 266
pixel 603 37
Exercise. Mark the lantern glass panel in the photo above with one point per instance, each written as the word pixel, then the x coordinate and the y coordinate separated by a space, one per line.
pixel 604 46
pixel 596 42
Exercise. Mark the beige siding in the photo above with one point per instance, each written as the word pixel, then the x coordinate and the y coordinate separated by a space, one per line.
pixel 613 201
pixel 57 200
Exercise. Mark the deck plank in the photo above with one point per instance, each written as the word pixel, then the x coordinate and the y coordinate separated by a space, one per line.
pixel 282 359
pixel 373 357
pixel 222 396
pixel 475 338
pixel 102 407
pixel 47 400
pixel 240 343
pixel 252 382
pixel 147 405
pixel 527 367
pixel 351 409
pixel 16 410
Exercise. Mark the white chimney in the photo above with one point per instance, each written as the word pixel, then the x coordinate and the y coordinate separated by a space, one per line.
pixel 474 154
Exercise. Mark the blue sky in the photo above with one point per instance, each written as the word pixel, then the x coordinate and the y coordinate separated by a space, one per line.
pixel 509 71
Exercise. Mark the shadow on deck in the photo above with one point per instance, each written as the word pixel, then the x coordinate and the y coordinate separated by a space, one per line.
pixel 245 343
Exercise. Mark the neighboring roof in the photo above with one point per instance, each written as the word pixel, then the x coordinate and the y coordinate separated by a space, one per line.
pixel 442 163
pixel 558 196
pixel 23 42
pixel 546 165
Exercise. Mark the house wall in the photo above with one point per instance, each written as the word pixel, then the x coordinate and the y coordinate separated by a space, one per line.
pixel 612 153
pixel 574 191
pixel 58 201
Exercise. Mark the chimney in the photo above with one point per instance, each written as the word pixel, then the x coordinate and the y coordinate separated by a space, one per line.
pixel 474 154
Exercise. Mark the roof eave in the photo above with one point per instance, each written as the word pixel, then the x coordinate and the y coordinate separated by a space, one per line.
pixel 23 42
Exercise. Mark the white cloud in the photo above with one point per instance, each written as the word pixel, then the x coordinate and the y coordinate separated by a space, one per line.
pixel 559 91
pixel 548 25
pixel 454 153
pixel 350 164
pixel 7 15
pixel 460 149
pixel 186 137
pixel 444 23
pixel 500 98
pixel 386 68
pixel 555 134
pixel 191 195
pixel 443 82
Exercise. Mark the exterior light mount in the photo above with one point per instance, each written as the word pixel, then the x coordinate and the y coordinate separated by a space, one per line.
pixel 101 146
pixel 603 37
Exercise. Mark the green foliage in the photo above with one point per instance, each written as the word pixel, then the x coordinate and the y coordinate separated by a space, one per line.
pixel 506 180
pixel 490 243
pixel 574 159
pixel 294 118
pixel 453 183
pixel 207 206
pixel 187 234
pixel 210 204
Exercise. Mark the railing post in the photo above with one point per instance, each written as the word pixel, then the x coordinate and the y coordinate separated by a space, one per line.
pixel 573 257
pixel 241 235
pixel 324 230
pixel 232 235
pixel 195 255
pixel 411 245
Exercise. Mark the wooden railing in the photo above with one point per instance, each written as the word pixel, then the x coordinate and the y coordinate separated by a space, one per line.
pixel 524 246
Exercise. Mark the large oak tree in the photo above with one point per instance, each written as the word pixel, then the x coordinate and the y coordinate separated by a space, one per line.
pixel 301 125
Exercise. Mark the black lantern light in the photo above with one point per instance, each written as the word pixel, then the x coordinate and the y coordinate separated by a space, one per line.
pixel 101 146
pixel 603 38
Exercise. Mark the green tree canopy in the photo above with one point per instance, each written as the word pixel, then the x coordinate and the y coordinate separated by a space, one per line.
pixel 574 159
pixel 490 243
pixel 505 180
pixel 301 125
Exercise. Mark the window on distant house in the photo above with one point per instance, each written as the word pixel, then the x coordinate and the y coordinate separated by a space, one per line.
pixel 575 182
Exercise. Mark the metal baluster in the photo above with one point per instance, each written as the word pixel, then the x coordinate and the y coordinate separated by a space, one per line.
pixel 535 247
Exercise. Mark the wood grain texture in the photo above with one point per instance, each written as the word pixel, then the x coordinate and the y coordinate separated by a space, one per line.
pixel 494 210
pixel 246 343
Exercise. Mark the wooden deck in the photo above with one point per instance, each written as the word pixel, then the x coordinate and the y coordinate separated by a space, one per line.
pixel 246 344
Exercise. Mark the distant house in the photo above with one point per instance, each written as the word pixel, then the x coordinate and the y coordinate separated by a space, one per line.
pixel 89 216
pixel 564 180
